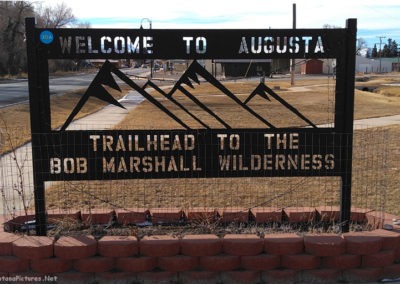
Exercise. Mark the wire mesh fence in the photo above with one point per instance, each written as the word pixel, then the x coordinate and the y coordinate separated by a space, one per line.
pixel 16 178
pixel 375 185
pixel 375 153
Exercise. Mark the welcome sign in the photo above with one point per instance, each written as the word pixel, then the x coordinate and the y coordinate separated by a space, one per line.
pixel 187 152
pixel 159 44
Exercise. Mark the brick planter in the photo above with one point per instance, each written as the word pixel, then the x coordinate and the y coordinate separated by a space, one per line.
pixel 241 258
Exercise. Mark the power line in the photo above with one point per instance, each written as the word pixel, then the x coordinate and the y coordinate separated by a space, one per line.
pixel 380 53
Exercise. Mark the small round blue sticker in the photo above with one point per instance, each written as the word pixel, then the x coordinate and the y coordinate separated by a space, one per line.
pixel 46 37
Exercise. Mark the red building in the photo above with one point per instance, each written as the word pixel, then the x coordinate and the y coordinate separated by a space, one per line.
pixel 312 66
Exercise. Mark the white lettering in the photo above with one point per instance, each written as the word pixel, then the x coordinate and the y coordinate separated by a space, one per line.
pixel 148 44
pixel 94 138
pixel 119 44
pixel 103 41
pixel 243 46
pixel 221 138
pixel 294 45
pixel 65 44
pixel 68 165
pixel 90 47
pixel 55 165
pixel 133 47
pixel 319 47
pixel 281 44
pixel 80 44
pixel 306 40
pixel 201 45
pixel 253 44
pixel 234 142
pixel 188 39
pixel 268 44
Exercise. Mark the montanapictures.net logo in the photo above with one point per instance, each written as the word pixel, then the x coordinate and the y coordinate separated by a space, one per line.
pixel 24 278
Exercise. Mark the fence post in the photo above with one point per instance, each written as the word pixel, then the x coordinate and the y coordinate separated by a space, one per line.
pixel 344 120
pixel 39 103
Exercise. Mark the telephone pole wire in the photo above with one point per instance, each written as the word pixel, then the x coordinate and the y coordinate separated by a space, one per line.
pixel 380 53
pixel 293 61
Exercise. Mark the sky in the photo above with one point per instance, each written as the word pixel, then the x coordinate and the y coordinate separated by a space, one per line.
pixel 375 18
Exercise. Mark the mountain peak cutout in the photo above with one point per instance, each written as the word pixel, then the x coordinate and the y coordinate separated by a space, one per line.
pixel 105 78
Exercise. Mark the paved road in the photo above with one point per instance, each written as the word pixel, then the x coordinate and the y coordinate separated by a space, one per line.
pixel 17 91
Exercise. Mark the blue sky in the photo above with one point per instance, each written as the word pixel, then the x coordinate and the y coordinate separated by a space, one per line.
pixel 375 17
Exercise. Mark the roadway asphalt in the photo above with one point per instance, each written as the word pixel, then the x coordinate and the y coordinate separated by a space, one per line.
pixel 16 91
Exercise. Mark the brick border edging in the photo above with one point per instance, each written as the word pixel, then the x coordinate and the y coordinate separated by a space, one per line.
pixel 291 215
pixel 239 258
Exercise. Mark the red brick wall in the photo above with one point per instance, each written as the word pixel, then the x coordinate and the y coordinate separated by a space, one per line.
pixel 241 258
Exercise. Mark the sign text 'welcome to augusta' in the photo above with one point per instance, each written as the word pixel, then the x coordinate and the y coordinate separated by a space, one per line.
pixel 159 44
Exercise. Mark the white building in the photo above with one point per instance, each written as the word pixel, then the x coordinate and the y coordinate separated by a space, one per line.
pixel 372 65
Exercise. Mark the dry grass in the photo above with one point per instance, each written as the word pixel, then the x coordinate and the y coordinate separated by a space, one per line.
pixel 375 180
pixel 376 171
pixel 315 101
pixel 146 116
pixel 376 176
pixel 15 120
pixel 368 104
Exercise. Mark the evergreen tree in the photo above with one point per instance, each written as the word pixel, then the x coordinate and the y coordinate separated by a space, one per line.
pixel 390 49
pixel 374 52
pixel 394 49
pixel 385 51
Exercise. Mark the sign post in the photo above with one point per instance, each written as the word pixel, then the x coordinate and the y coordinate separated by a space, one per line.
pixel 344 116
pixel 39 103
pixel 186 152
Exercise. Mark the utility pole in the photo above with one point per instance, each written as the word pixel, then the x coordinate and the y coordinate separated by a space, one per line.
pixel 293 61
pixel 151 60
pixel 380 53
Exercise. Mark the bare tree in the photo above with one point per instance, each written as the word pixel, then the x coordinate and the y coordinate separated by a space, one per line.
pixel 361 44
pixel 14 187
pixel 12 35
pixel 56 16
pixel 12 30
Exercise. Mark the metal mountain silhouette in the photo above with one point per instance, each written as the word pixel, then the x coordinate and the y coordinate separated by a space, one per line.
pixel 154 86
pixel 104 77
pixel 191 73
pixel 196 69
pixel 262 91
pixel 97 90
